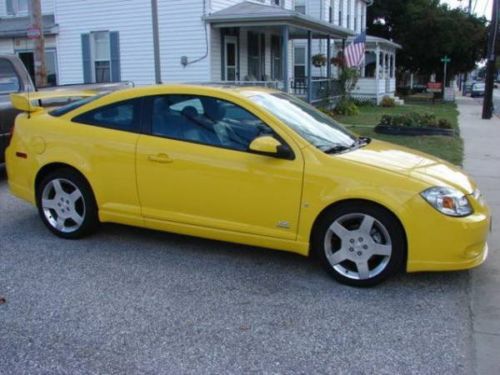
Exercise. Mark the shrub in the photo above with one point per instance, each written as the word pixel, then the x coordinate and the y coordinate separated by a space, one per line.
pixel 415 120
pixel 387 102
pixel 363 102
pixel 346 107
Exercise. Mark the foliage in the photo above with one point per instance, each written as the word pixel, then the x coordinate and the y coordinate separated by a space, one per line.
pixel 415 120
pixel 348 78
pixel 388 102
pixel 360 102
pixel 319 60
pixel 427 31
pixel 338 60
pixel 346 107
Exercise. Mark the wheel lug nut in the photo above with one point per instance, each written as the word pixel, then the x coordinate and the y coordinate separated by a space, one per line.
pixel 351 249
pixel 365 247
pixel 359 253
pixel 352 240
pixel 360 239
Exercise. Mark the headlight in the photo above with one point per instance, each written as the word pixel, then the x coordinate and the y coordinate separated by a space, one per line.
pixel 448 201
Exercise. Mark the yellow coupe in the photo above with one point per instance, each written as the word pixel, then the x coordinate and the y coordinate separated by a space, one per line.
pixel 246 165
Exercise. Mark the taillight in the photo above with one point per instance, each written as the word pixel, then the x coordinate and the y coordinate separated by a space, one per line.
pixel 11 134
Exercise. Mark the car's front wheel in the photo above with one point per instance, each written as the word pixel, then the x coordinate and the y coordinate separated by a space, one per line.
pixel 66 204
pixel 360 244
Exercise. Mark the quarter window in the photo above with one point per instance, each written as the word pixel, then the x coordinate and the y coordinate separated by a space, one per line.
pixel 120 116
pixel 205 120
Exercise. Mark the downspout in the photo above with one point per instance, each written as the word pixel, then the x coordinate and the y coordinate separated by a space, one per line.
pixel 156 40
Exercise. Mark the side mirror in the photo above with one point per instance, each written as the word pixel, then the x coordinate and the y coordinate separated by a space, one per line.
pixel 267 145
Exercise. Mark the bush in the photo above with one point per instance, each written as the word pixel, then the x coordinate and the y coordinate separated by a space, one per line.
pixel 363 102
pixel 346 107
pixel 415 120
pixel 387 102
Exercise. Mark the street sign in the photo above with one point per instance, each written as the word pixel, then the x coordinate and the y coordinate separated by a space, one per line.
pixel 434 86
pixel 446 60
pixel 33 32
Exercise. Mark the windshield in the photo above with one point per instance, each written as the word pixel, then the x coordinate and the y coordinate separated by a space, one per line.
pixel 314 126
pixel 74 105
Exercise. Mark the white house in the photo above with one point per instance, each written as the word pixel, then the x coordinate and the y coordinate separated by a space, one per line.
pixel 259 42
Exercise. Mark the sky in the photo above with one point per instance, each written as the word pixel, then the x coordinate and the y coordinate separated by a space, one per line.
pixel 481 7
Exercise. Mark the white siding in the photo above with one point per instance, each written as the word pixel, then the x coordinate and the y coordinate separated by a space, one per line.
pixel 131 18
pixel 182 33
pixel 6 46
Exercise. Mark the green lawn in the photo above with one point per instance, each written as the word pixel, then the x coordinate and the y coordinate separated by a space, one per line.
pixel 448 148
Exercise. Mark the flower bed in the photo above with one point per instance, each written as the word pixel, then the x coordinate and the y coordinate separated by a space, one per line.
pixel 414 124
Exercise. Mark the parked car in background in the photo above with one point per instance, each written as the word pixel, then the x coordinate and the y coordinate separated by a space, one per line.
pixel 14 78
pixel 477 89
pixel 247 165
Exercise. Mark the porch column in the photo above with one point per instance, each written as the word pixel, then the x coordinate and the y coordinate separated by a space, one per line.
pixel 309 66
pixel 284 46
pixel 328 58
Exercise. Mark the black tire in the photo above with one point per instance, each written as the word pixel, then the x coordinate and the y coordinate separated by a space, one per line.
pixel 85 205
pixel 389 265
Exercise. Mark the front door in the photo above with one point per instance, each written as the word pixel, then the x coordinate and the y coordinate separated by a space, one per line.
pixel 194 168
pixel 231 58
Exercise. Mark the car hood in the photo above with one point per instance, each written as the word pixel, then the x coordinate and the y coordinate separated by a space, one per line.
pixel 411 163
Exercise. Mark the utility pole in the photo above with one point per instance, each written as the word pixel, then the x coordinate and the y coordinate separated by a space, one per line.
pixel 490 66
pixel 35 33
pixel 465 75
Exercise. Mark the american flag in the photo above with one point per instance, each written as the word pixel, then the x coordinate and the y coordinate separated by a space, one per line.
pixel 355 52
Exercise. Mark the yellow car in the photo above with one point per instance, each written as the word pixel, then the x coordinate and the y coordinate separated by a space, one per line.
pixel 246 165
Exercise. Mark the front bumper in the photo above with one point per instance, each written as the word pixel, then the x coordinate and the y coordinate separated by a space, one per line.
pixel 440 243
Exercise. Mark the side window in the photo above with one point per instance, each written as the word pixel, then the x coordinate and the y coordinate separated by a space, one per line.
pixel 120 116
pixel 205 120
pixel 9 82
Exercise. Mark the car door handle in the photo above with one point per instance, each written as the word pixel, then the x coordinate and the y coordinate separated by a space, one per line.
pixel 160 158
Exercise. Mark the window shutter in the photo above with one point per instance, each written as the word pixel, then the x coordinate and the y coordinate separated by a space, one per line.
pixel 114 42
pixel 87 64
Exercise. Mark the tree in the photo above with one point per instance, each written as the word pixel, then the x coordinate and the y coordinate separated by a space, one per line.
pixel 427 31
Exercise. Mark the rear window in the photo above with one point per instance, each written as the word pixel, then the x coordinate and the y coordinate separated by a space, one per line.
pixel 74 105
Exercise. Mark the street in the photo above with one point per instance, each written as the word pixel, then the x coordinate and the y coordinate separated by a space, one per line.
pixel 137 301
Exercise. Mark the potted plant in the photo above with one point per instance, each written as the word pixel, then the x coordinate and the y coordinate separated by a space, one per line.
pixel 319 60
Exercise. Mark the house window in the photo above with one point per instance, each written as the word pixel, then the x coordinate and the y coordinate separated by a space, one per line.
pixel 256 57
pixel 101 57
pixel 299 67
pixel 276 61
pixel 16 6
pixel 363 15
pixel 348 14
pixel 276 2
pixel 300 6
pixel 341 8
pixel 330 12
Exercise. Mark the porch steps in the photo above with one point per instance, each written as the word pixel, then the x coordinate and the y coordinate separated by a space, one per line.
pixel 398 100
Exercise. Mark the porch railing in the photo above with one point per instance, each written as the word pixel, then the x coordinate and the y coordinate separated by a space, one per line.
pixel 278 85
pixel 321 88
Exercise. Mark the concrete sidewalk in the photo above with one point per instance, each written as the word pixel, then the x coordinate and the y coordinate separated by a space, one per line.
pixel 482 161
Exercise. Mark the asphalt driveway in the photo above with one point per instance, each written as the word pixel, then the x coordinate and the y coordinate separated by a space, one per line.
pixel 136 301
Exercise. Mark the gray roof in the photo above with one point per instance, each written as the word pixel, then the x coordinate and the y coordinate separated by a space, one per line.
pixel 252 14
pixel 16 26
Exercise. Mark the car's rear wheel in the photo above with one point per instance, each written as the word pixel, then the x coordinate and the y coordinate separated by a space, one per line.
pixel 66 204
pixel 360 244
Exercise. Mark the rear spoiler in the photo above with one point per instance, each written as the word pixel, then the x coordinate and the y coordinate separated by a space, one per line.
pixel 23 101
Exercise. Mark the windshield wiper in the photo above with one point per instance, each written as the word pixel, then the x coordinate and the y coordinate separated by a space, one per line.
pixel 337 148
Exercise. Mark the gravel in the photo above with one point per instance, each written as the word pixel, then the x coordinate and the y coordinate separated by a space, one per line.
pixel 129 300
